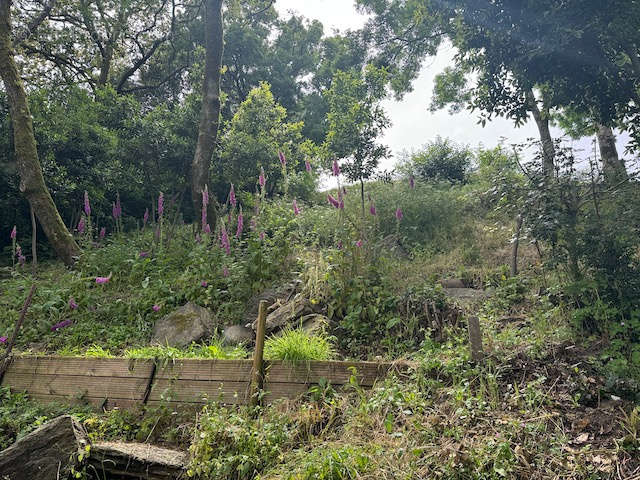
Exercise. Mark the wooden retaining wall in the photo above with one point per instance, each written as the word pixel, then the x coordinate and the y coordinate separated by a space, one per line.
pixel 129 383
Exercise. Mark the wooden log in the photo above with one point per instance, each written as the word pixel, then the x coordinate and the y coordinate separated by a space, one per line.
pixel 137 460
pixel 82 366
pixel 475 339
pixel 257 369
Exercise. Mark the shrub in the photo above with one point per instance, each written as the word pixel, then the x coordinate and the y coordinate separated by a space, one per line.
pixel 441 159
pixel 297 345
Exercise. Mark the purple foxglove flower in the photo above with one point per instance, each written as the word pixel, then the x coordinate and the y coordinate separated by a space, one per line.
pixel 296 210
pixel 205 196
pixel 341 204
pixel 283 159
pixel 344 190
pixel 372 210
pixel 207 228
pixel 412 182
pixel 307 165
pixel 160 204
pixel 339 245
pixel 336 168
pixel 14 232
pixel 198 239
pixel 262 181
pixel 3 339
pixel 253 224
pixel 114 211
pixel 204 283
pixel 399 213
pixel 225 271
pixel 224 240
pixel 240 224
pixel 62 324
pixel 144 254
pixel 359 243
pixel 103 280
pixel 232 196
pixel 72 303
pixel 103 232
pixel 333 201
pixel 18 250
pixel 81 225
pixel 156 308
pixel 261 236
pixel 21 260
pixel 87 206
pixel 145 217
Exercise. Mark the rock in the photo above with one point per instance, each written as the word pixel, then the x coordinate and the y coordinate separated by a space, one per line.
pixel 314 322
pixel 137 460
pixel 287 314
pixel 237 335
pixel 271 296
pixel 183 326
pixel 47 453
pixel 452 283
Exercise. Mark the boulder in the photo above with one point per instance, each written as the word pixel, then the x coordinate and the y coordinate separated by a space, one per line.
pixel 452 283
pixel 47 453
pixel 237 335
pixel 189 323
pixel 281 294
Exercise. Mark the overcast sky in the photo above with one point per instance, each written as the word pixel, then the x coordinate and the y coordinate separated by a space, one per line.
pixel 412 123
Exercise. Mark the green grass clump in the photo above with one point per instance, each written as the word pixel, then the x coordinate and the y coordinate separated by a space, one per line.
pixel 296 345
pixel 213 351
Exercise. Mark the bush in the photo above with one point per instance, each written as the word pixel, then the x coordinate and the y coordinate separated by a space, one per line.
pixel 297 345
pixel 441 159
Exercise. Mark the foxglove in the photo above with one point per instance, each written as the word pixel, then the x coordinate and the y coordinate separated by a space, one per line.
pixel 336 168
pixel 62 324
pixel 399 214
pixel 87 206
pixel 240 224
pixel 307 165
pixel 72 303
pixel 14 232
pixel 296 210
pixel 160 204
pixel 103 232
pixel 156 308
pixel 232 196
pixel 262 180
pixel 372 210
pixel 283 159
pixel 333 201
pixel 81 226
pixel 145 217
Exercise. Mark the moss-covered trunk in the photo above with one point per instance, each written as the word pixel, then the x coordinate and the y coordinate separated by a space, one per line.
pixel 210 110
pixel 32 183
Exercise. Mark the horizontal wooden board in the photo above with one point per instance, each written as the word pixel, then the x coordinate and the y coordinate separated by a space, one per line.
pixel 337 373
pixel 75 385
pixel 110 404
pixel 200 369
pixel 196 391
pixel 90 367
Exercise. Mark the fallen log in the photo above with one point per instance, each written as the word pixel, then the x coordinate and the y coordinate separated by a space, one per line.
pixel 137 461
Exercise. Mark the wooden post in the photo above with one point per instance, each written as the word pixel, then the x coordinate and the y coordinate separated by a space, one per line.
pixel 4 363
pixel 475 339
pixel 257 370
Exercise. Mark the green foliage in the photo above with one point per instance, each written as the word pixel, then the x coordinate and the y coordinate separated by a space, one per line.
pixel 339 463
pixel 440 159
pixel 297 345
pixel 215 350
pixel 234 445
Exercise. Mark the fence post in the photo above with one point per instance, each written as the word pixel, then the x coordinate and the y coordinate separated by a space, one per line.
pixel 475 339
pixel 257 370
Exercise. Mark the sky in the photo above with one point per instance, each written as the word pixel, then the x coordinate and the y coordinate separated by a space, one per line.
pixel 412 124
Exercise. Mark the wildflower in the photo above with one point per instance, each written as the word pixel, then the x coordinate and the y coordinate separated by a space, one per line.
pixel 307 165
pixel 253 224
pixel 261 235
pixel 81 225
pixel 3 339
pixel 339 245
pixel 205 202
pixel 359 243
pixel 240 224
pixel 333 201
pixel 205 196
pixel 204 283
pixel 336 168
pixel 232 196
pixel 160 204
pixel 224 239
pixel 296 210
pixel 114 211
pixel 412 182
pixel 103 232
pixel 14 232
pixel 198 239
pixel 145 217
pixel 207 228
pixel 18 250
pixel 156 308
pixel 372 209
pixel 144 254
pixel 341 204
pixel 399 213
pixel 262 181
pixel 72 303
pixel 62 324
pixel 21 260
pixel 283 159
pixel 103 280
pixel 225 271
pixel 87 206
pixel 344 190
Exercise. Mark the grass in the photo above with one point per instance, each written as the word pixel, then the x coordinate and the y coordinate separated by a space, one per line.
pixel 297 345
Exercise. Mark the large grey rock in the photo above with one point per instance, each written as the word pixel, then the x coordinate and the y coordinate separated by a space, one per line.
pixel 47 453
pixel 183 326
pixel 237 335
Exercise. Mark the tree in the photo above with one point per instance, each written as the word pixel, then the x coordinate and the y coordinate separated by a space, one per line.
pixel 355 121
pixel 32 183
pixel 210 110
pixel 441 159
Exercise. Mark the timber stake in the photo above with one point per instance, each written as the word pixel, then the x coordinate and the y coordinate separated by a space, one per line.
pixel 257 370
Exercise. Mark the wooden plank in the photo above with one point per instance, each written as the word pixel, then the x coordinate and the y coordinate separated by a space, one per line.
pixel 337 373
pixel 92 367
pixel 99 387
pixel 201 369
pixel 196 391
pixel 110 404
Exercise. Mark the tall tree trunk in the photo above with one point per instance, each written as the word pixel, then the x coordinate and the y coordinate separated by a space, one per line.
pixel 613 168
pixel 210 110
pixel 542 122
pixel 31 179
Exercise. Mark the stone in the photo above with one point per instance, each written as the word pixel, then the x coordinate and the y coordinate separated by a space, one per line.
pixel 287 314
pixel 314 322
pixel 452 283
pixel 47 453
pixel 237 335
pixel 189 323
